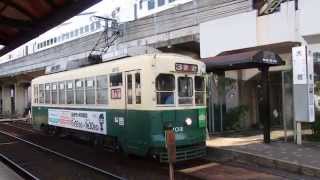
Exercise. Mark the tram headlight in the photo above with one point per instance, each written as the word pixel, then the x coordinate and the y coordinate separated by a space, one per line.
pixel 188 121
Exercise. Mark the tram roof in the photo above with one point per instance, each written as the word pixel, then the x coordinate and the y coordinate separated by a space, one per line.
pixel 21 20
pixel 243 60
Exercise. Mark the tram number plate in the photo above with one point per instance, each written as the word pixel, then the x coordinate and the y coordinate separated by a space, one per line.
pixel 177 129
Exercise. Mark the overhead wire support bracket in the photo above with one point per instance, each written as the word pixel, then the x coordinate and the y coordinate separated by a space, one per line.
pixel 107 38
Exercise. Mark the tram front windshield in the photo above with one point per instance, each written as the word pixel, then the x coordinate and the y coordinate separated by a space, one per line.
pixel 190 90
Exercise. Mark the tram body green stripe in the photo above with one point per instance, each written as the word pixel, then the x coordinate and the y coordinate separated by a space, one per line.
pixel 143 130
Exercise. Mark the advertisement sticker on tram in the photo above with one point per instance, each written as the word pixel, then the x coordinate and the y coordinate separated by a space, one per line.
pixel 90 121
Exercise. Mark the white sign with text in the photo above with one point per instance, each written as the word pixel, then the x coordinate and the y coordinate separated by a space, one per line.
pixel 90 121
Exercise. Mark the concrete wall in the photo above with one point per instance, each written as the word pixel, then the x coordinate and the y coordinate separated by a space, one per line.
pixel 309 14
pixel 19 99
pixel 229 33
pixel 6 95
pixel 247 30
pixel 278 27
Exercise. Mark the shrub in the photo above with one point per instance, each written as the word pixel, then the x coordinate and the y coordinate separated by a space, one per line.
pixel 316 125
pixel 234 116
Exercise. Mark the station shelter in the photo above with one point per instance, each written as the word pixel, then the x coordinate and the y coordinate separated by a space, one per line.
pixel 243 93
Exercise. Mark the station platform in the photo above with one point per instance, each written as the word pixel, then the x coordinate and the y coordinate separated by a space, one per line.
pixel 7 173
pixel 302 159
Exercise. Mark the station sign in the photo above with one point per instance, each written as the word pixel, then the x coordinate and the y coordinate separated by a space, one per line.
pixel 303 84
pixel 89 121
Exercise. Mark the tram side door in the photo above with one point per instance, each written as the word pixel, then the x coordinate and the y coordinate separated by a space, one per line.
pixel 134 121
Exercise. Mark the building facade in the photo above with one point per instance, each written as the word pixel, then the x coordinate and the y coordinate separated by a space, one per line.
pixel 235 96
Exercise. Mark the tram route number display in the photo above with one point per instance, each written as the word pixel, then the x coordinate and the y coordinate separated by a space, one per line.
pixel 90 121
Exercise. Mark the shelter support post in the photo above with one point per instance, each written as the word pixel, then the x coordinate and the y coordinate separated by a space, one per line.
pixel 265 109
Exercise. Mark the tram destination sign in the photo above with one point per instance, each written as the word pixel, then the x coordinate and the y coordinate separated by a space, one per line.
pixel 90 121
pixel 181 67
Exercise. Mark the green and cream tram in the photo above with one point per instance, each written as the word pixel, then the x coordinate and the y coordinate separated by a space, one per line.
pixel 128 102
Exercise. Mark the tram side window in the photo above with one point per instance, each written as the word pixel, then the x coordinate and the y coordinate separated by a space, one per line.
pixel 129 88
pixel 165 86
pixel 79 92
pixel 35 93
pixel 41 93
pixel 47 96
pixel 185 90
pixel 102 89
pixel 90 91
pixel 70 92
pixel 199 90
pixel 116 79
pixel 138 88
pixel 54 93
pixel 62 94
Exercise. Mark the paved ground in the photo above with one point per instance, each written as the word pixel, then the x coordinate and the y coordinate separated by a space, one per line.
pixel 219 171
pixel 296 158
pixel 8 174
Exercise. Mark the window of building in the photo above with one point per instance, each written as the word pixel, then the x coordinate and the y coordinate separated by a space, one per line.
pixel 48 43
pixel 71 34
pixel 92 27
pixel 90 91
pixel 70 92
pixel 138 88
pixel 47 96
pixel 141 4
pixel 161 2
pixel 199 85
pixel 67 35
pixel 129 89
pixel 151 4
pixel 51 41
pixel 55 40
pixel 35 93
pixel 86 28
pixel 79 92
pixel 62 94
pixel 102 89
pixel 81 30
pixel 54 93
pixel 165 86
pixel 185 90
pixel 76 32
pixel 116 79
pixel 170 1
pixel 98 25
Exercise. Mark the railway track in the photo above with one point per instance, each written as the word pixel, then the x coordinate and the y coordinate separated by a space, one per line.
pixel 17 168
pixel 126 167
pixel 117 163
pixel 28 175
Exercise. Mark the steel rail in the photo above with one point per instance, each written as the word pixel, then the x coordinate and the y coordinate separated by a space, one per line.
pixel 63 156
pixel 16 168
